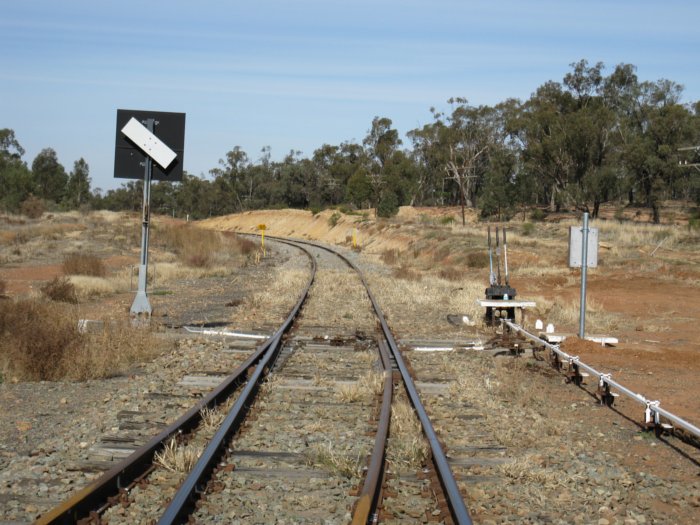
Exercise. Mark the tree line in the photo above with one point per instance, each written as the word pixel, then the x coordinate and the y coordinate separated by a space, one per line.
pixel 576 144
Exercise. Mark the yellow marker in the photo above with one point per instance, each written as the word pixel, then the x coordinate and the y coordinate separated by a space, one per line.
pixel 262 229
pixel 354 237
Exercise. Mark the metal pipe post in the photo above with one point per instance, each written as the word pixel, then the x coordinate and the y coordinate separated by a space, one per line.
pixel 492 275
pixel 498 258
pixel 505 257
pixel 141 305
pixel 584 269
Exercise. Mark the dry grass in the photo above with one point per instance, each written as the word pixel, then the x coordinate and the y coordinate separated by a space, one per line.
pixel 200 248
pixel 390 257
pixel 406 273
pixel 339 308
pixel 84 264
pixel 530 470
pixel 111 352
pixel 87 287
pixel 40 341
pixel 565 314
pixel 60 289
pixel 408 447
pixel 211 419
pixel 365 388
pixel 36 338
pixel 432 296
pixel 327 456
pixel 178 458
pixel 279 294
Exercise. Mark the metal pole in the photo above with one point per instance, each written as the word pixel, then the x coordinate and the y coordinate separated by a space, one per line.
pixel 498 258
pixel 505 257
pixel 141 305
pixel 584 268
pixel 492 275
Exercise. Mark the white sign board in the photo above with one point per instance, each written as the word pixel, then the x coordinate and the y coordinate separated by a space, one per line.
pixel 576 247
pixel 149 143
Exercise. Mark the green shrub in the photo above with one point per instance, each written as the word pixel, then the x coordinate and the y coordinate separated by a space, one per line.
pixel 388 205
pixel 447 219
pixel 528 229
pixel 333 219
pixel 537 215
pixel 315 210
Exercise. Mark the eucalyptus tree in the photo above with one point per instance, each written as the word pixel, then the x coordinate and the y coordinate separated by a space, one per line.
pixel 49 176
pixel 382 150
pixel 334 165
pixel 78 185
pixel 658 125
pixel 15 178
pixel 229 177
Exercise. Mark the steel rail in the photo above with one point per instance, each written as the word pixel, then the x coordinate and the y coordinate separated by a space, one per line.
pixel 604 378
pixel 371 488
pixel 183 501
pixel 96 494
pixel 458 509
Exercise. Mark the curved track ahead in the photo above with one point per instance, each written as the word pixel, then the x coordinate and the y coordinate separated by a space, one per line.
pixel 88 504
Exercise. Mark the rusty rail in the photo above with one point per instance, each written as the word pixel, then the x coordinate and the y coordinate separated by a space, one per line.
pixel 366 506
pixel 458 509
pixel 96 494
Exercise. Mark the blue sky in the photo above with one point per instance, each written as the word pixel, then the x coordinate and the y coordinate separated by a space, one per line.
pixel 295 75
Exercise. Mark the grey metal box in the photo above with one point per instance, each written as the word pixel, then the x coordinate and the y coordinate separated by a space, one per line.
pixel 576 247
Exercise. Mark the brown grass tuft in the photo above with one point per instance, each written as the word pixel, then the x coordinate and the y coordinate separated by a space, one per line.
pixel 406 273
pixel 35 337
pixel 451 273
pixel 40 340
pixel 60 289
pixel 200 248
pixel 84 264
pixel 32 207
pixel 477 259
pixel 177 457
pixel 408 446
pixel 328 457
pixel 246 246
pixel 390 257
pixel 198 260
pixel 367 386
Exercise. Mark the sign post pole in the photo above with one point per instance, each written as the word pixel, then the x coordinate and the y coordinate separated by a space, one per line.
pixel 584 268
pixel 141 305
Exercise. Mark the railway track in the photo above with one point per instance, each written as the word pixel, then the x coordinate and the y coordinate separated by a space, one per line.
pixel 306 421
